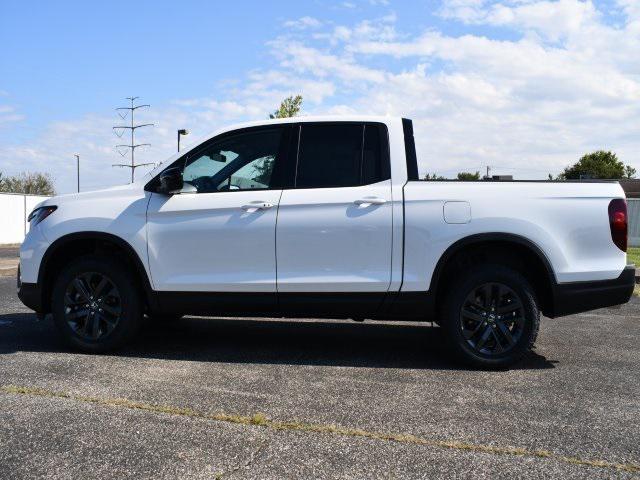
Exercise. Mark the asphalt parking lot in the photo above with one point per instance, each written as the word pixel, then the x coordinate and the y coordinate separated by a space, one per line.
pixel 250 398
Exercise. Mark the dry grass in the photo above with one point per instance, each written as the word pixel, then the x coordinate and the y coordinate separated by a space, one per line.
pixel 261 420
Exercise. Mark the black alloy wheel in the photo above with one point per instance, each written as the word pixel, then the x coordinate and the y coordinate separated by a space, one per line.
pixel 492 319
pixel 93 306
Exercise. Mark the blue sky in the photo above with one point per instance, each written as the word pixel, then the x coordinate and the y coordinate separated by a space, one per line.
pixel 525 86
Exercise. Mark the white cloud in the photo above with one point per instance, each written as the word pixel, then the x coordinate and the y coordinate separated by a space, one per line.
pixel 303 23
pixel 467 11
pixel 302 59
pixel 8 114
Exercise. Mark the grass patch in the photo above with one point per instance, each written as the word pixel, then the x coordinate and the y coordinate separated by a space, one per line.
pixel 633 255
pixel 261 420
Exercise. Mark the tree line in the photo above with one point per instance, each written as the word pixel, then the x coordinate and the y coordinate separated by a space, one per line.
pixel 30 183
pixel 603 165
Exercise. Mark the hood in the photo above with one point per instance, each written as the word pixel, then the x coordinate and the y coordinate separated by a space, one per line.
pixel 110 192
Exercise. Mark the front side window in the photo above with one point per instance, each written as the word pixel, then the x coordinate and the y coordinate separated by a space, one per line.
pixel 241 162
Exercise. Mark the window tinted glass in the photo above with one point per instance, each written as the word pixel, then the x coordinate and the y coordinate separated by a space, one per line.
pixel 371 156
pixel 242 162
pixel 329 156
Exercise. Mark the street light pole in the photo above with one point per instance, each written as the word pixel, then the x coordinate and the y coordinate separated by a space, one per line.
pixel 78 169
pixel 181 132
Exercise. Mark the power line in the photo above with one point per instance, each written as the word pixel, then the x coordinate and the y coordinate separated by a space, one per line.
pixel 133 127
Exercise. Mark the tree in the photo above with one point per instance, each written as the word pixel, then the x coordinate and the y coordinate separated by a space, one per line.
pixel 30 183
pixel 599 164
pixel 262 170
pixel 290 107
pixel 433 176
pixel 629 171
pixel 468 176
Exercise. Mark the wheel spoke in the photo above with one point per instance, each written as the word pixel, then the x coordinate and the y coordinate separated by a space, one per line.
pixel 483 339
pixel 467 313
pixel 486 296
pixel 69 301
pixel 111 322
pixel 506 333
pixel 104 282
pixel 470 332
pixel 498 347
pixel 113 310
pixel 495 295
pixel 91 327
pixel 512 305
pixel 81 289
pixel 76 314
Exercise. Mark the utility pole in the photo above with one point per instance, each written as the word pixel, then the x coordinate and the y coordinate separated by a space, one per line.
pixel 132 128
pixel 78 169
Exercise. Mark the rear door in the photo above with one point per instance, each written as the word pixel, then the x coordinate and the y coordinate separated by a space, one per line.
pixel 334 231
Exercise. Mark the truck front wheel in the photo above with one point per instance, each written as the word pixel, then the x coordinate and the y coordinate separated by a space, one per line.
pixel 96 304
pixel 490 316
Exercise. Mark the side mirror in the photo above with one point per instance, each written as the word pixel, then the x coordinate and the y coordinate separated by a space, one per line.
pixel 171 181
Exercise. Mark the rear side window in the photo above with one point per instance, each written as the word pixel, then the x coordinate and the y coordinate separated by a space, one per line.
pixel 371 170
pixel 340 155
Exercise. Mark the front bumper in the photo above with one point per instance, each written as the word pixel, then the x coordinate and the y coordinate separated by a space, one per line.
pixel 579 297
pixel 30 294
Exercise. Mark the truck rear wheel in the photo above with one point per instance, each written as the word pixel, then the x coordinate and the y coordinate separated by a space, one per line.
pixel 491 316
pixel 96 304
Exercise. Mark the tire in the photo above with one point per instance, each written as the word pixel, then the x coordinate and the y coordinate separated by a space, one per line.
pixel 96 304
pixel 475 332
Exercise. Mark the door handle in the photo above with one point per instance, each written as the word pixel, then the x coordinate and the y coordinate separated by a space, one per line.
pixel 370 201
pixel 255 206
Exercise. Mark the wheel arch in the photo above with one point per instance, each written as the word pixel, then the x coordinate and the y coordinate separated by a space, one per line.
pixel 521 253
pixel 73 245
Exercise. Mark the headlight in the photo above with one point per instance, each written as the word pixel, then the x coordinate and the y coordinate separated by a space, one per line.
pixel 39 214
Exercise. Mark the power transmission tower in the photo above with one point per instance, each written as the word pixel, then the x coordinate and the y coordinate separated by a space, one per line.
pixel 133 127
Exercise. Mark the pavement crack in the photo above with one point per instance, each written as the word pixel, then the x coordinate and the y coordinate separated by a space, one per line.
pixel 261 420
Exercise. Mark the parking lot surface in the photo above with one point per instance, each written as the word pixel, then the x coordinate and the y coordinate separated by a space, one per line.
pixel 254 398
pixel 8 259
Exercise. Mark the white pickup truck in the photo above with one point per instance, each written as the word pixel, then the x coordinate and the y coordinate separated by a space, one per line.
pixel 326 217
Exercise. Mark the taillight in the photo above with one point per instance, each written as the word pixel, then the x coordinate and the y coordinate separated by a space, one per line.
pixel 618 222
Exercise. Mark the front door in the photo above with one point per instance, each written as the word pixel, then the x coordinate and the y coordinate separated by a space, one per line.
pixel 218 234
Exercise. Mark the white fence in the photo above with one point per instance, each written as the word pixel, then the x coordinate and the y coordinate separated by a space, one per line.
pixel 634 221
pixel 14 209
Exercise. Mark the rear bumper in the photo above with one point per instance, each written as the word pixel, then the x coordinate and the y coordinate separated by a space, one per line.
pixel 579 297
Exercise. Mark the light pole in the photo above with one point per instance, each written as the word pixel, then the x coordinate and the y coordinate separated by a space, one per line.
pixel 78 169
pixel 182 131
